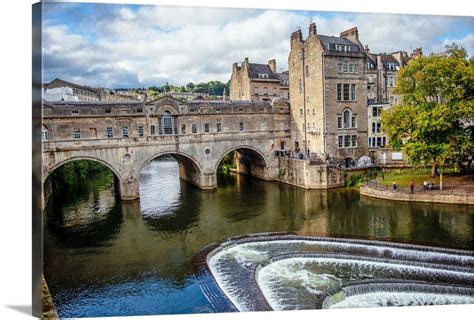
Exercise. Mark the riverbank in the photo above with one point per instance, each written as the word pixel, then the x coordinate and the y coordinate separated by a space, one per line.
pixel 452 195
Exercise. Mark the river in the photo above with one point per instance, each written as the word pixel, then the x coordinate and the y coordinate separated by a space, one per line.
pixel 104 257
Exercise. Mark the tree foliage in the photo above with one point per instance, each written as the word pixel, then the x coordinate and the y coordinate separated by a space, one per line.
pixel 73 172
pixel 431 124
pixel 213 88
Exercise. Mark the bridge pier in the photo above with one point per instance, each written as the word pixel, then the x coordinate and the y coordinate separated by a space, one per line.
pixel 128 189
pixel 204 181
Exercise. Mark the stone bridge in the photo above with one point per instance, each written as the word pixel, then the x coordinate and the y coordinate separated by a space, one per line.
pixel 198 134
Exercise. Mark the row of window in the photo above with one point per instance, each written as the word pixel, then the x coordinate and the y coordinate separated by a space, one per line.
pixel 346 67
pixel 377 142
pixel 76 132
pixel 339 47
pixel 307 112
pixel 265 91
pixel 346 92
pixel 347 141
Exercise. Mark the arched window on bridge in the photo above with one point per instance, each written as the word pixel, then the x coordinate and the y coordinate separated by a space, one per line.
pixel 44 133
pixel 167 124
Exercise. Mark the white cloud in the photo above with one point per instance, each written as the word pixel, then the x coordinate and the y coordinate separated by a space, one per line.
pixel 152 45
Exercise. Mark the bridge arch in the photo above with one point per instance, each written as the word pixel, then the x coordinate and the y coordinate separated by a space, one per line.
pixel 190 169
pixel 47 184
pixel 50 170
pixel 251 161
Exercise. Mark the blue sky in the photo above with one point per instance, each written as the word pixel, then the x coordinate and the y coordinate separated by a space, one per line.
pixel 115 45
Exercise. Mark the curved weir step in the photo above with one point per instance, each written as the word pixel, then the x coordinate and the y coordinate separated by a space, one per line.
pixel 314 269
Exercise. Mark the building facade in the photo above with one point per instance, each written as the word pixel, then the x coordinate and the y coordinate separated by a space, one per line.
pixel 328 94
pixel 258 82
pixel 376 137
pixel 61 90
pixel 382 72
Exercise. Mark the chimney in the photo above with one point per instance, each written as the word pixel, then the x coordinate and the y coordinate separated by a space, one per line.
pixel 246 60
pixel 379 62
pixel 312 28
pixel 224 95
pixel 417 52
pixel 367 50
pixel 296 37
pixel 272 65
pixel 351 34
pixel 235 67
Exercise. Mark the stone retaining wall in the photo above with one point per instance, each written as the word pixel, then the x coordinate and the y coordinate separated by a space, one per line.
pixel 301 173
pixel 435 197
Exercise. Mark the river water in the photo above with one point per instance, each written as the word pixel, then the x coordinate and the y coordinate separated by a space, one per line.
pixel 105 257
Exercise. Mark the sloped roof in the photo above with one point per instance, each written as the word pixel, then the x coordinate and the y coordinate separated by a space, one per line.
pixel 335 40
pixel 256 68
pixel 388 58
pixel 58 83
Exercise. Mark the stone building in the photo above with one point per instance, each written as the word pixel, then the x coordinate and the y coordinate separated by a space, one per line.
pixel 258 82
pixel 111 95
pixel 61 90
pixel 328 94
pixel 376 137
pixel 382 71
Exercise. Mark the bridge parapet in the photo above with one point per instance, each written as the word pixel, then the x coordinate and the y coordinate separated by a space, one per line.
pixel 126 136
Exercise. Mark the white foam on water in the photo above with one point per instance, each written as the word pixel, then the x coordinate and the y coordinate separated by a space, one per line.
pixel 244 254
pixel 225 278
pixel 295 270
pixel 385 299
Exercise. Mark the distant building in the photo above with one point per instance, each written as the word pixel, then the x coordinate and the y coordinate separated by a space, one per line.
pixel 376 137
pixel 378 140
pixel 106 94
pixel 60 90
pixel 328 94
pixel 382 72
pixel 258 82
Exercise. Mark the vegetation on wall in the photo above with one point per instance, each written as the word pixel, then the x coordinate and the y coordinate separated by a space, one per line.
pixel 228 162
pixel 74 173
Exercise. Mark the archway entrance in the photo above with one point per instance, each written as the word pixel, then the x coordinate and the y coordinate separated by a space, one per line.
pixel 81 197
pixel 349 162
pixel 245 161
pixel 163 181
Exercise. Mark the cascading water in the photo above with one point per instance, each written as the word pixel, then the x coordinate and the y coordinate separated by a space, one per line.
pixel 287 272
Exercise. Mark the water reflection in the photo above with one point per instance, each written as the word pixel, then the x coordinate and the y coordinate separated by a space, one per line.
pixel 146 246
pixel 92 210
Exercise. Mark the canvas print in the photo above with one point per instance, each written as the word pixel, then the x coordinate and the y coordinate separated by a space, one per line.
pixel 201 160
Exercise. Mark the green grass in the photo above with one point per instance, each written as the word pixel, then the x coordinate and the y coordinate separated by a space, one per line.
pixel 404 176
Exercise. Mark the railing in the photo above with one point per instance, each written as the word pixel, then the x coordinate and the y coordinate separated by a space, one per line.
pixel 448 190
pixel 314 158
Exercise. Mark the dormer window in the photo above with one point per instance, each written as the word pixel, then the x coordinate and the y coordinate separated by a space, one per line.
pixel 340 47
pixel 263 75
pixel 391 66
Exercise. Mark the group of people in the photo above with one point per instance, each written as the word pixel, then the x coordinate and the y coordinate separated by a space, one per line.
pixel 427 185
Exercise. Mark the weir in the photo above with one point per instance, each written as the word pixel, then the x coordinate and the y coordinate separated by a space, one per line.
pixel 287 272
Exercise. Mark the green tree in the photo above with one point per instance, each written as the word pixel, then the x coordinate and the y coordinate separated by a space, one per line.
pixel 429 126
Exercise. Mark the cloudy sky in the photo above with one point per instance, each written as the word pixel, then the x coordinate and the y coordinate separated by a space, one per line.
pixel 114 46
